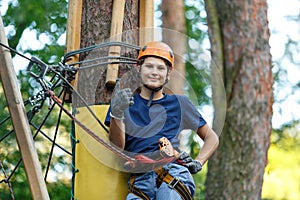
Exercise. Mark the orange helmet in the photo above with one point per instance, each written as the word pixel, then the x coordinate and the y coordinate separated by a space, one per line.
pixel 157 49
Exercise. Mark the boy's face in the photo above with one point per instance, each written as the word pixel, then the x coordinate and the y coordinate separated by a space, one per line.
pixel 154 72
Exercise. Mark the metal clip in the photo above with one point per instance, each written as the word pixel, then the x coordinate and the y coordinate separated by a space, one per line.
pixel 42 69
pixel 173 183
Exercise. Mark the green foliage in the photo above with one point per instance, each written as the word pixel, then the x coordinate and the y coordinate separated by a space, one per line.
pixel 197 69
pixel 19 186
pixel 59 190
pixel 198 75
pixel 197 60
pixel 195 20
pixel 284 165
pixel 47 18
pixel 199 179
pixel 287 137
pixel 10 156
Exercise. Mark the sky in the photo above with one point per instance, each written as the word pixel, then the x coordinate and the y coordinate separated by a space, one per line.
pixel 281 29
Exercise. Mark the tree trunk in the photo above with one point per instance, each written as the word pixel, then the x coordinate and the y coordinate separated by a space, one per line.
pixel 95 29
pixel 173 22
pixel 239 36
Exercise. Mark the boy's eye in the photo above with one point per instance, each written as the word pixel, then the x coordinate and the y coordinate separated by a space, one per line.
pixel 159 67
pixel 148 66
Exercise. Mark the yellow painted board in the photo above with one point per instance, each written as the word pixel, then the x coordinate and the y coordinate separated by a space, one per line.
pixel 98 176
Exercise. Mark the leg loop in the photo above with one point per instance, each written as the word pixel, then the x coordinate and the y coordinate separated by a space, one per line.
pixel 174 183
pixel 135 190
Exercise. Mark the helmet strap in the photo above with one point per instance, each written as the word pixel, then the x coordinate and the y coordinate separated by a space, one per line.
pixel 151 99
pixel 153 91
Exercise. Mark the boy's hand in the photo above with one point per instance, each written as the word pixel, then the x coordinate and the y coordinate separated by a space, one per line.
pixel 194 166
pixel 121 101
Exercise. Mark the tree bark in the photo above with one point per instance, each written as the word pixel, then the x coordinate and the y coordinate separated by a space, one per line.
pixel 239 36
pixel 173 22
pixel 95 29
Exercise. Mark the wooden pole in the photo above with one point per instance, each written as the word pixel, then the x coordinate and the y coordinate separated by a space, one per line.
pixel 20 122
pixel 116 35
pixel 146 21
pixel 73 36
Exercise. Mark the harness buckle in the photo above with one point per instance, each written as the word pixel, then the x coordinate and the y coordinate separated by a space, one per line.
pixel 173 183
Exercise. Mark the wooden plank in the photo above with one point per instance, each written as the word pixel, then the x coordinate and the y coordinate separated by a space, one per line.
pixel 146 21
pixel 73 36
pixel 20 122
pixel 116 35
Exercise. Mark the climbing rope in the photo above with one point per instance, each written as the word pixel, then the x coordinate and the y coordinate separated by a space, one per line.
pixel 7 180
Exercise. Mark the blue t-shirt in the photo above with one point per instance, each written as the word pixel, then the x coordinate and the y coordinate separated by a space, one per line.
pixel 166 117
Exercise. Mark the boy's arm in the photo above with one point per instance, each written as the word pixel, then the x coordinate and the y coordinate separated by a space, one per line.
pixel 123 98
pixel 211 142
pixel 117 133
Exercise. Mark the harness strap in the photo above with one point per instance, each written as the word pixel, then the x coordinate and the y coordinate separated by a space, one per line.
pixel 174 183
pixel 135 190
pixel 162 176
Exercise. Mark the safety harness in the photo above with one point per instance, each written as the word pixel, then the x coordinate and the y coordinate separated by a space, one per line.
pixel 162 176
pixel 167 151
